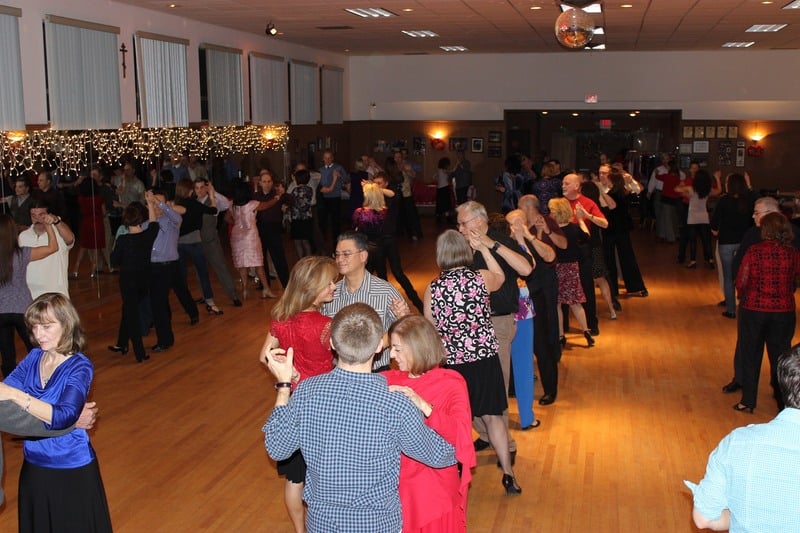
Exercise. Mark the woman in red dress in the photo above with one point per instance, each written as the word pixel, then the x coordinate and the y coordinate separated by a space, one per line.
pixel 433 499
pixel 298 324
pixel 92 234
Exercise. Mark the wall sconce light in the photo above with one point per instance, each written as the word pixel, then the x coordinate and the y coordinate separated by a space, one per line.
pixel 271 29
pixel 15 136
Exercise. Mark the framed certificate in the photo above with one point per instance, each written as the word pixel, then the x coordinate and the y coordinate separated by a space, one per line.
pixel 699 132
pixel 711 132
pixel 733 132
pixel 688 132
pixel 722 132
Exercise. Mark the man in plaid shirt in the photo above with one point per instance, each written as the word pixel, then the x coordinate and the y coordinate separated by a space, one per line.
pixel 351 430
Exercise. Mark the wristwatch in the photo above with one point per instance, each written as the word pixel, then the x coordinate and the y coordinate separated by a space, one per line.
pixel 57 222
pixel 495 246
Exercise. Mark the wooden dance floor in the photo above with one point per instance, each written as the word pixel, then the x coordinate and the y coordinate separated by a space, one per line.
pixel 181 449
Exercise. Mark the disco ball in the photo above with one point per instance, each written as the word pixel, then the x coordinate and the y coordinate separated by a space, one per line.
pixel 574 28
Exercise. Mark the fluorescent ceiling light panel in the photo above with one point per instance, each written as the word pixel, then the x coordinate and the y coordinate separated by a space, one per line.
pixel 792 5
pixel 458 48
pixel 592 8
pixel 738 44
pixel 370 12
pixel 765 28
pixel 420 33
pixel 599 31
pixel 596 47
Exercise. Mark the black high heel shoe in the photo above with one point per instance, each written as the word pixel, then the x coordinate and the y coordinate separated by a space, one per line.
pixel 589 338
pixel 742 408
pixel 563 340
pixel 118 349
pixel 510 484
pixel 213 309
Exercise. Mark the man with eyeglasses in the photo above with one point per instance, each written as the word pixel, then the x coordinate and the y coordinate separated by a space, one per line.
pixel 504 302
pixel 358 285
pixel 763 206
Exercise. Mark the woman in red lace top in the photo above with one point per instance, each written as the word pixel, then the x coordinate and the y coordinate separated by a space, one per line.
pixel 766 282
pixel 298 324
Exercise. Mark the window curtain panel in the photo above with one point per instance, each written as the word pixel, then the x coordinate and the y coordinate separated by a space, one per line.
pixel 163 89
pixel 82 77
pixel 268 90
pixel 12 107
pixel 332 95
pixel 304 92
pixel 224 83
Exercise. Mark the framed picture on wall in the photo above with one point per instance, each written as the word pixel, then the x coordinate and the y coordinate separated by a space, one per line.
pixel 494 151
pixel 733 132
pixel 700 147
pixel 495 136
pixel 699 132
pixel 458 144
pixel 688 132
pixel 477 145
pixel 711 132
pixel 722 132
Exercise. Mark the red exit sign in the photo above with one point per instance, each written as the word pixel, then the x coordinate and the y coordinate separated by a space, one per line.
pixel 605 124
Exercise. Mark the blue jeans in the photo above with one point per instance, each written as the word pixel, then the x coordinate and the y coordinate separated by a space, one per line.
pixel 194 251
pixel 726 253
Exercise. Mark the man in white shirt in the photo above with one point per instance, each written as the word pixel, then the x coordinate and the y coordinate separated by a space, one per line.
pixel 48 274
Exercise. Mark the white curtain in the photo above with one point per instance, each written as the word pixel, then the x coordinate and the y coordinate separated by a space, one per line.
pixel 224 83
pixel 268 90
pixel 163 89
pixel 12 109
pixel 332 95
pixel 304 93
pixel 82 77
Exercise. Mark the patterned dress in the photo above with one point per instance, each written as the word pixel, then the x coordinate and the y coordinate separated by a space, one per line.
pixel 245 243
pixel 462 316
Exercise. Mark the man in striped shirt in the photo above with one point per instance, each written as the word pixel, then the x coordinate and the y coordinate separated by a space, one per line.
pixel 358 285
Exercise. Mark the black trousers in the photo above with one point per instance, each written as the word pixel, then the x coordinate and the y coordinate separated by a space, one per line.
pixel 409 218
pixel 587 284
pixel 619 244
pixel 330 215
pixel 134 291
pixel 386 249
pixel 755 329
pixel 10 322
pixel 545 336
pixel 163 277
pixel 690 237
pixel 271 235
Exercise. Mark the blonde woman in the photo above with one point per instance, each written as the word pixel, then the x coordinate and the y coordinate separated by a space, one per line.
pixel 567 267
pixel 298 324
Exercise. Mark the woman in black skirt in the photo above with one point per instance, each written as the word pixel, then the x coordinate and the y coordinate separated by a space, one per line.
pixel 60 488
pixel 457 302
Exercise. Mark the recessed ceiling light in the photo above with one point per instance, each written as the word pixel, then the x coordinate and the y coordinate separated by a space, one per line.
pixel 536 7
pixel 591 8
pixel 457 48
pixel 407 10
pixel 792 5
pixel 420 33
pixel 575 114
pixel 545 112
pixel 595 47
pixel 626 6
pixel 173 6
pixel 766 2
pixel 370 12
pixel 738 44
pixel 765 28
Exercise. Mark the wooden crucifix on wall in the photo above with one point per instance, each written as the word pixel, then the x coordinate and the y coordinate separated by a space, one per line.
pixel 123 50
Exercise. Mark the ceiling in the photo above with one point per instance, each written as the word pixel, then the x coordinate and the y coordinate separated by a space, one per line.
pixel 495 26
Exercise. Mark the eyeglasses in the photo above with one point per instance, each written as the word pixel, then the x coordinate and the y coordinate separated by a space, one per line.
pixel 465 222
pixel 346 254
pixel 760 213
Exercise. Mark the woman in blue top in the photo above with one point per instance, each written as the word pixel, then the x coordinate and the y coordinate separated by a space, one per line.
pixel 60 488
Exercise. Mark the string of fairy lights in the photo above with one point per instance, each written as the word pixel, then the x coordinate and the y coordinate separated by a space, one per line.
pixel 69 152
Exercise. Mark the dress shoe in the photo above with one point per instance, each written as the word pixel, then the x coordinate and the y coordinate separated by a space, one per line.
pixel 143 358
pixel 589 339
pixel 118 349
pixel 595 331
pixel 742 408
pixel 644 293
pixel 733 386
pixel 721 304
pixel 158 348
pixel 536 423
pixel 728 315
pixel 510 484
pixel 194 320
pixel 237 302
pixel 547 399
pixel 200 301
pixel 213 309
pixel 616 305
pixel 480 444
